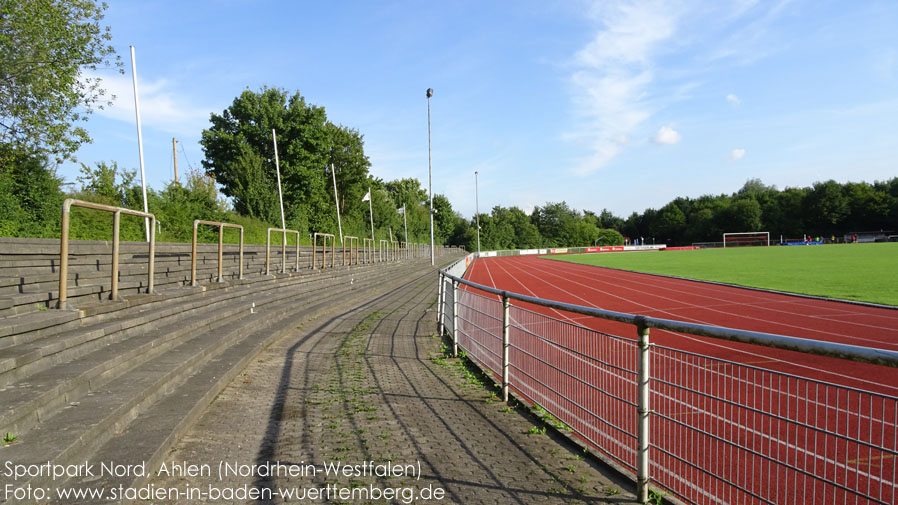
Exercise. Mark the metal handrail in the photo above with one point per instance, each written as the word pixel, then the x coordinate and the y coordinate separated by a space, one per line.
pixel 116 220
pixel 383 254
pixel 221 227
pixel 283 250
pixel 846 351
pixel 324 237
pixel 368 246
pixel 352 241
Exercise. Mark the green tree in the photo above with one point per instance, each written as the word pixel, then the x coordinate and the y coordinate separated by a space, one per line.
pixel 670 224
pixel 106 183
pixel 180 205
pixel 609 237
pixel 240 153
pixel 826 207
pixel 347 158
pixel 443 219
pixel 30 197
pixel 409 193
pixel 45 45
pixel 552 220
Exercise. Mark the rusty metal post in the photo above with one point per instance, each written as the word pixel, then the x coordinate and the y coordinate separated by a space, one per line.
pixel 284 250
pixel 116 224
pixel 64 256
pixel 151 268
pixel 193 281
pixel 295 265
pixel 240 268
pixel 220 254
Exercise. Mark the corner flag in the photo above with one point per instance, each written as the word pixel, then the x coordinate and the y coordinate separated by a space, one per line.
pixel 367 196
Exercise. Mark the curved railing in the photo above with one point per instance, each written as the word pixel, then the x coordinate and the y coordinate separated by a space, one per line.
pixel 704 429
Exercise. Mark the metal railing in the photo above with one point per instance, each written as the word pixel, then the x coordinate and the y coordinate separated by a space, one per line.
pixel 283 250
pixel 221 227
pixel 706 430
pixel 67 205
pixel 383 253
pixel 353 244
pixel 324 237
pixel 370 250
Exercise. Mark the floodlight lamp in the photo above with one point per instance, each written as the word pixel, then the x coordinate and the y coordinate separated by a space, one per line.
pixel 429 92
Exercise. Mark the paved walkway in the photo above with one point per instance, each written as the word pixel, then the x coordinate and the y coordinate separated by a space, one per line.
pixel 367 389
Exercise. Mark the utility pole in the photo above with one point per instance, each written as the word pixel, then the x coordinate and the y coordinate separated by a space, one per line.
pixel 430 175
pixel 174 149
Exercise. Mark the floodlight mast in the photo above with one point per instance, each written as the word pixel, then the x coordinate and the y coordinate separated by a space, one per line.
pixel 430 175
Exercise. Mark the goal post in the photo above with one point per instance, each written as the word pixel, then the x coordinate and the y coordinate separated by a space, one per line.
pixel 746 238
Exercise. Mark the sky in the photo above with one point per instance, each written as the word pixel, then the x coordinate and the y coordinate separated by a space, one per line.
pixel 618 105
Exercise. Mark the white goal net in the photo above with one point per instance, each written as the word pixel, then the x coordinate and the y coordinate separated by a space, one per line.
pixel 746 238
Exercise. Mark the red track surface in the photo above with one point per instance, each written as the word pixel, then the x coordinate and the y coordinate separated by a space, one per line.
pixel 708 304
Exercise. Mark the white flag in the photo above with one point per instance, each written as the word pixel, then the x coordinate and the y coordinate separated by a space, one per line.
pixel 402 210
pixel 367 196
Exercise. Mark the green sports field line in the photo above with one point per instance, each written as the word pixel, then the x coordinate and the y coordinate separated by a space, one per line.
pixel 857 272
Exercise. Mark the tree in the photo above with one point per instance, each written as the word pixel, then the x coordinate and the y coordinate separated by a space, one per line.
pixel 826 207
pixel 99 184
pixel 552 220
pixel 240 154
pixel 609 237
pixel 347 157
pixel 443 219
pixel 30 198
pixel 669 224
pixel 44 47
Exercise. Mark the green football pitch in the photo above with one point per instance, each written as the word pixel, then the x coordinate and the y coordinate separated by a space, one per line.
pixel 861 272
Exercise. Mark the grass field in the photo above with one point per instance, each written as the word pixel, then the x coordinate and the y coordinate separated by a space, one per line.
pixel 861 272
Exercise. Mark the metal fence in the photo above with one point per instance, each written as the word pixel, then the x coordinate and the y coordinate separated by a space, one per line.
pixel 700 429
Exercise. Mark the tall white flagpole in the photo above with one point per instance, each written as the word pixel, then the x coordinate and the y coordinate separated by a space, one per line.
pixel 405 223
pixel 143 183
pixel 277 167
pixel 371 212
pixel 337 203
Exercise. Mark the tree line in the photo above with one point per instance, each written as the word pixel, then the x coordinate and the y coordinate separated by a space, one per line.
pixel 826 209
pixel 44 98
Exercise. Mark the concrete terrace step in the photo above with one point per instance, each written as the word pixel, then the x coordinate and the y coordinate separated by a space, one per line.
pixel 205 359
pixel 26 328
pixel 29 269
pixel 44 375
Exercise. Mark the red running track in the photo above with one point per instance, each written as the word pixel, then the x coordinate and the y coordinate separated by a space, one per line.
pixel 704 303
pixel 802 463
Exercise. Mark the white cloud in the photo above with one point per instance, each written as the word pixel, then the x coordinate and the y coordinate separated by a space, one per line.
pixel 613 74
pixel 667 135
pixel 734 100
pixel 737 154
pixel 160 105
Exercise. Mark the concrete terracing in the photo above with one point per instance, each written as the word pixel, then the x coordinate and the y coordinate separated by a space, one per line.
pixel 318 366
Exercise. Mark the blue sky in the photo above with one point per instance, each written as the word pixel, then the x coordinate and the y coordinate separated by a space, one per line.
pixel 608 104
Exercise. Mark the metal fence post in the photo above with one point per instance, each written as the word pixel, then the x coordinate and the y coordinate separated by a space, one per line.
pixel 643 411
pixel 240 269
pixel 220 252
pixel 455 318
pixel 64 257
pixel 506 303
pixel 440 301
pixel 151 268
pixel 116 226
